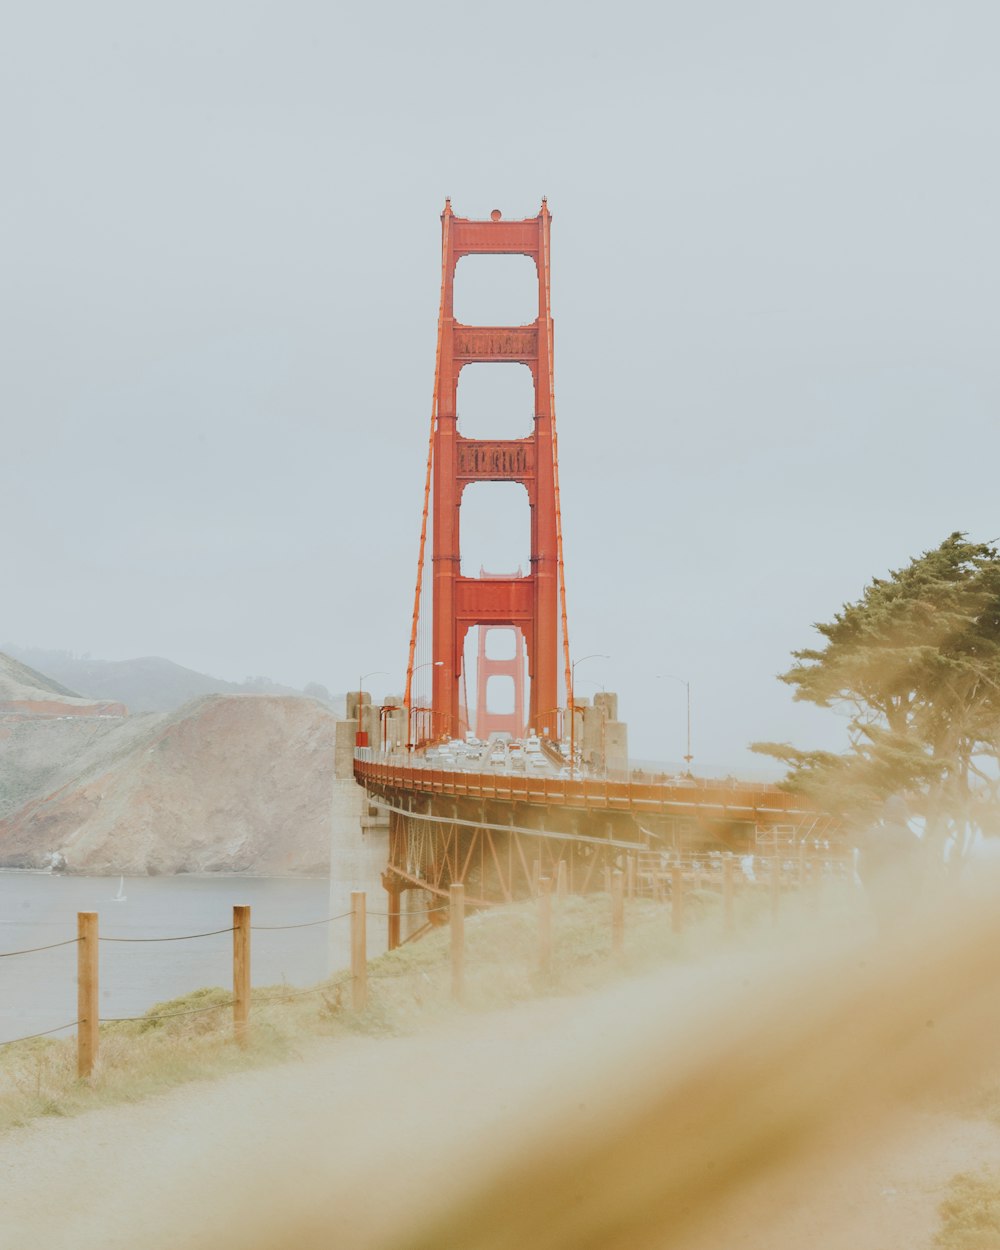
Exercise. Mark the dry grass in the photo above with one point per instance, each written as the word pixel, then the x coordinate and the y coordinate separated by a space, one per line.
pixel 970 1215
pixel 409 989
pixel 716 1075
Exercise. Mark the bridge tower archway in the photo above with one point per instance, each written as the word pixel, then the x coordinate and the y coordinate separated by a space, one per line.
pixel 533 603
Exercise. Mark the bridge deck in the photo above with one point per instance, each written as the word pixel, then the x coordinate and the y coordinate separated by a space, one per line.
pixel 761 803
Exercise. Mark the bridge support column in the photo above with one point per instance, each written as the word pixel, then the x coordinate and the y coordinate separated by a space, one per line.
pixel 532 603
pixel 359 850
pixel 394 906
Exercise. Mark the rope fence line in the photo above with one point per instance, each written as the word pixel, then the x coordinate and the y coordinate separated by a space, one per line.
pixel 420 911
pixel 30 950
pixel 180 937
pixel 166 1015
pixel 309 924
pixel 325 988
pixel 674 883
pixel 44 1033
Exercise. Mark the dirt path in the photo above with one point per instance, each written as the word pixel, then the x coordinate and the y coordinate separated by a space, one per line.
pixel 881 1195
pixel 370 1133
pixel 342 1127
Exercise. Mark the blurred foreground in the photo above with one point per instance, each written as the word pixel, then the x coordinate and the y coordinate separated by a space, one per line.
pixel 731 1096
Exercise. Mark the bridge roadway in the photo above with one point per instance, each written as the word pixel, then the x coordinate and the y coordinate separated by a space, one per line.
pixel 497 833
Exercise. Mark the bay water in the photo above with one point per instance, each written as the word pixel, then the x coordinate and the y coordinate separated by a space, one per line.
pixel 38 991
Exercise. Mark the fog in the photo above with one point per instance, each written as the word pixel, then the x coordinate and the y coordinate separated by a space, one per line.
pixel 774 285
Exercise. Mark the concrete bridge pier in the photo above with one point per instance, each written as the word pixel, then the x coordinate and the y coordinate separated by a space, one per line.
pixel 359 851
pixel 359 845
pixel 603 738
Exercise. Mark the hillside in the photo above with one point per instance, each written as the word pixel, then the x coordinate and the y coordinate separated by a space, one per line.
pixel 18 683
pixel 38 756
pixel 147 684
pixel 226 784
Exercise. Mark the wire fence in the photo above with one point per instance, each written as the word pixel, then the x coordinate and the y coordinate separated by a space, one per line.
pixel 44 1033
pixel 660 876
pixel 31 950
pixel 227 1004
pixel 166 1015
pixel 177 937
pixel 308 924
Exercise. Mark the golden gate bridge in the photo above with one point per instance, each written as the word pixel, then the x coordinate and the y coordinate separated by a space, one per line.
pixel 497 833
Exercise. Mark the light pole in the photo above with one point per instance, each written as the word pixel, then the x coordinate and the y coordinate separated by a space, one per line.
pixel 594 655
pixel 361 737
pixel 687 686
pixel 409 710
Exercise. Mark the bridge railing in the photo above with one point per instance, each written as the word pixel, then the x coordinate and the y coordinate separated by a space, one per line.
pixel 693 797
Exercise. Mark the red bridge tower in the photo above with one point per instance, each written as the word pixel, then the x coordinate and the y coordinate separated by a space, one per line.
pixel 535 603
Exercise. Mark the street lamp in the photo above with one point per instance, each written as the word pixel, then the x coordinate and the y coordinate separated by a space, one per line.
pixel 687 686
pixel 409 710
pixel 595 655
pixel 361 737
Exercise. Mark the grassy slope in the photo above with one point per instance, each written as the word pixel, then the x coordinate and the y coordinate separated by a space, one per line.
pixel 409 989
pixel 970 1214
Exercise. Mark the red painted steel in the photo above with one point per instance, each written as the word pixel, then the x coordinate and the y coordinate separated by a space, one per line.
pixel 414 624
pixel 530 602
pixel 764 804
pixel 488 721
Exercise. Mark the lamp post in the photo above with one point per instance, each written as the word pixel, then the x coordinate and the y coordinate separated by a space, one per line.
pixel 687 686
pixel 361 737
pixel 409 710
pixel 594 655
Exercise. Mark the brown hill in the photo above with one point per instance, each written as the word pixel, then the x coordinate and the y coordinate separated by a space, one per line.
pixel 230 783
pixel 41 754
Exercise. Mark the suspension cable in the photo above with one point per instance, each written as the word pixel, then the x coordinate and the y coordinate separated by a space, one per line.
pixel 408 696
pixel 546 226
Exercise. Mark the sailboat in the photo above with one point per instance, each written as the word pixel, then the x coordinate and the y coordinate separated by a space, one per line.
pixel 120 896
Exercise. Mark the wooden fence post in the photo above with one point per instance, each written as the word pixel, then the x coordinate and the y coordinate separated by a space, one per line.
pixel 536 875
pixel 775 888
pixel 456 915
pixel 241 973
pixel 545 925
pixel 617 915
pixel 677 898
pixel 561 886
pixel 727 893
pixel 359 955
pixel 630 876
pixel 87 999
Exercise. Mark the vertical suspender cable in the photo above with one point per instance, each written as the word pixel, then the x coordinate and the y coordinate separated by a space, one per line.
pixel 408 697
pixel 555 465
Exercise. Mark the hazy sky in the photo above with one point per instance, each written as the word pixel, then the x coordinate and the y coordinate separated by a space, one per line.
pixel 775 285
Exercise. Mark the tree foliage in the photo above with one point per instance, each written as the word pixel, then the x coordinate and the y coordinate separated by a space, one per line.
pixel 915 666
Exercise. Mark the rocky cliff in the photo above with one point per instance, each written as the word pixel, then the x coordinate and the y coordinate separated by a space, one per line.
pixel 230 783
